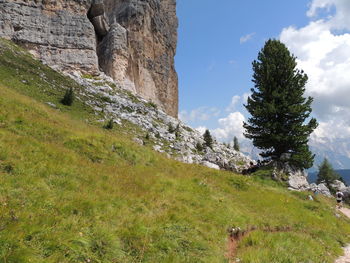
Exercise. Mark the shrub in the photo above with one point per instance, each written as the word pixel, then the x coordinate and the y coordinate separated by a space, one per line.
pixel 109 125
pixel 68 98
pixel 327 174
pixel 208 140
pixel 151 104
pixel 171 128
pixel 199 147
pixel 236 144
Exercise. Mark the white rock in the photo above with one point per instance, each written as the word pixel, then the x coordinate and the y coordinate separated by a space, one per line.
pixel 338 185
pixel 51 105
pixel 158 148
pixel 211 165
pixel 299 182
pixel 320 189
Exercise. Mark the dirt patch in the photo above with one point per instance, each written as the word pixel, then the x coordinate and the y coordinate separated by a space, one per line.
pixel 346 257
pixel 237 234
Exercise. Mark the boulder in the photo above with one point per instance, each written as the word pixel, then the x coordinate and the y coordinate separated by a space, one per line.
pixel 210 165
pixel 298 181
pixel 320 189
pixel 338 186
pixel 296 177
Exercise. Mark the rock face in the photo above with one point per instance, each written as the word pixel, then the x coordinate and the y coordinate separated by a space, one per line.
pixel 57 32
pixel 133 41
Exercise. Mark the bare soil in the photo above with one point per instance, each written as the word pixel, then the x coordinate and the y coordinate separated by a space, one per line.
pixel 346 257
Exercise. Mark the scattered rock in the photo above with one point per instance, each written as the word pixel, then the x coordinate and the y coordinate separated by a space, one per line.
pixel 138 141
pixel 211 165
pixel 179 142
pixel 338 186
pixel 51 105
pixel 320 189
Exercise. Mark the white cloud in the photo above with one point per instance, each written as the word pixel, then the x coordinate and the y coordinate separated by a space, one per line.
pixel 333 129
pixel 325 57
pixel 229 127
pixel 234 101
pixel 199 114
pixel 201 129
pixel 323 52
pixel 246 38
pixel 340 20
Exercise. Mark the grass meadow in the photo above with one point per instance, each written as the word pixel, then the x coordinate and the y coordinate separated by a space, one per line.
pixel 71 191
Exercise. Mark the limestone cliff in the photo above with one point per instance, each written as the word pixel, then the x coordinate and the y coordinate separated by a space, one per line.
pixel 133 41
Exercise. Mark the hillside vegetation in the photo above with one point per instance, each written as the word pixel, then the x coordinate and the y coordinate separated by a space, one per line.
pixel 71 191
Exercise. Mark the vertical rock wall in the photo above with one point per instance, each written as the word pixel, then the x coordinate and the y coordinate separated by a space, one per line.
pixel 133 41
pixel 57 32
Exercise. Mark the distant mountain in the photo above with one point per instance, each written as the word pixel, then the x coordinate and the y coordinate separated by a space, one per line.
pixel 337 151
pixel 345 174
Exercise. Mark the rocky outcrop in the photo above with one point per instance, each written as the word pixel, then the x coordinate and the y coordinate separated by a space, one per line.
pixel 320 189
pixel 133 41
pixel 339 186
pixel 147 52
pixel 164 133
pixel 297 178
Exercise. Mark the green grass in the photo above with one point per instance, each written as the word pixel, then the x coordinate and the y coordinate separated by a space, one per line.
pixel 71 191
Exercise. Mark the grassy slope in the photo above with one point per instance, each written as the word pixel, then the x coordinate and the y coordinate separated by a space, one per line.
pixel 71 191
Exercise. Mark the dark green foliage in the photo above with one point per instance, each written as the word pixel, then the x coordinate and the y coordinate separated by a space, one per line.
pixel 208 140
pixel 68 98
pixel 151 104
pixel 236 144
pixel 171 128
pixel 109 125
pixel 147 137
pixel 199 147
pixel 278 108
pixel 177 131
pixel 326 173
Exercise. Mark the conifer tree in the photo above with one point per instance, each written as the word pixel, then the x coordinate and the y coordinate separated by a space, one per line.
pixel 236 144
pixel 208 140
pixel 68 98
pixel 109 125
pixel 278 107
pixel 326 173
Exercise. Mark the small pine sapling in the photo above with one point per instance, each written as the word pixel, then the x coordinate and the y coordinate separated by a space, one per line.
pixel 68 98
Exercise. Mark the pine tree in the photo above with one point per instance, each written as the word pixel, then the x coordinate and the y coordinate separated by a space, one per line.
pixel 208 140
pixel 236 144
pixel 326 173
pixel 109 125
pixel 68 98
pixel 278 108
pixel 199 147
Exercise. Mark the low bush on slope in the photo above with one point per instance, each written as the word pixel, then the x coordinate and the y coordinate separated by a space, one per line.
pixel 75 192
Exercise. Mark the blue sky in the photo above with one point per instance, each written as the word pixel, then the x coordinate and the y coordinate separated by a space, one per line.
pixel 219 39
pixel 213 65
